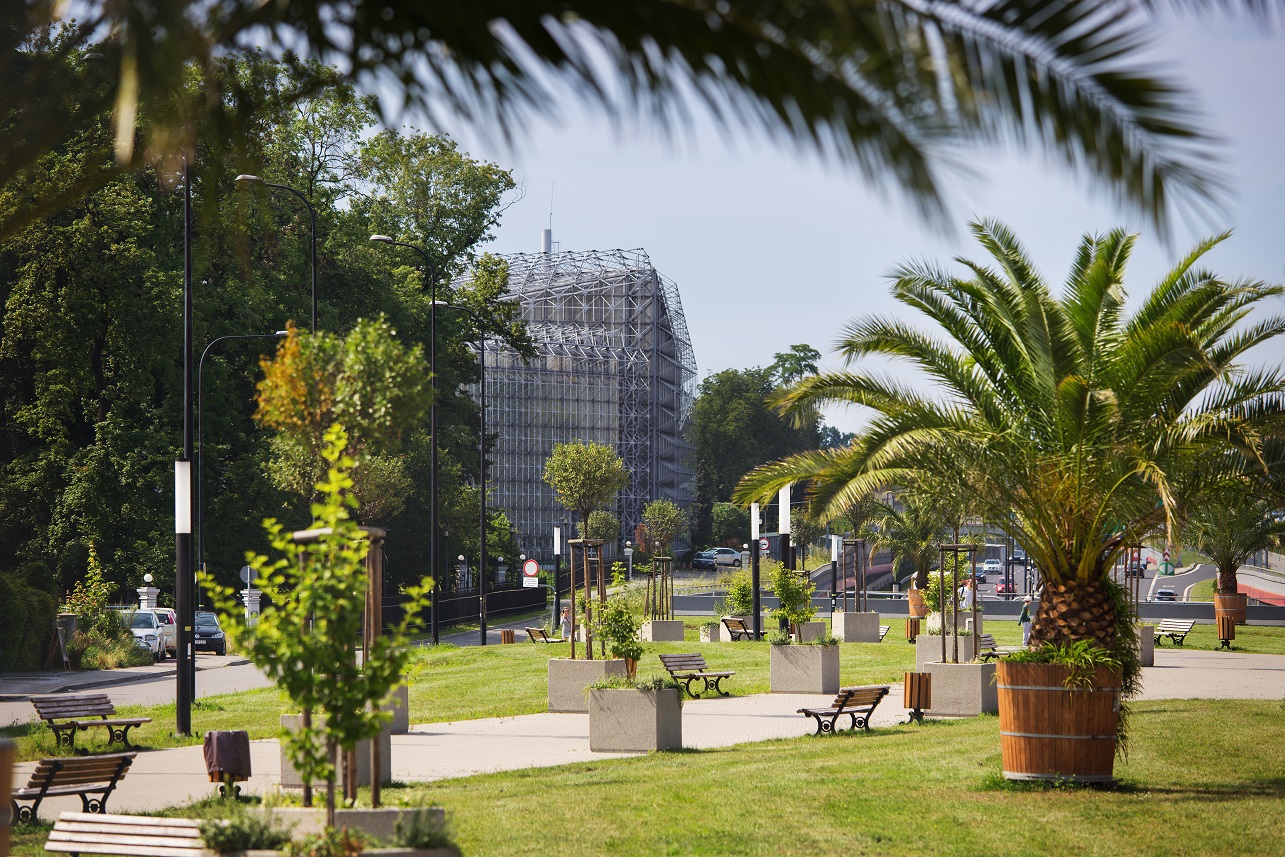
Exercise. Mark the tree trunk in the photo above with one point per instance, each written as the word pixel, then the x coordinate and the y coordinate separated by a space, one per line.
pixel 1227 583
pixel 332 752
pixel 1073 611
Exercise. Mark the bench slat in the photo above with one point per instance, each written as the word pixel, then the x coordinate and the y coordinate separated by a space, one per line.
pixel 102 820
pixel 122 838
pixel 134 850
pixel 183 828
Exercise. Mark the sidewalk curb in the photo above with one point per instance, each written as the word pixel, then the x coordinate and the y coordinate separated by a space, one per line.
pixel 132 678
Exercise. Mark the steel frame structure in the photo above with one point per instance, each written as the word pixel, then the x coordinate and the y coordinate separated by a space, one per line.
pixel 615 366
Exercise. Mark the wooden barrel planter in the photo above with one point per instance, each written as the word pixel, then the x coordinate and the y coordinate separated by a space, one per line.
pixel 915 601
pixel 1051 732
pixel 1232 606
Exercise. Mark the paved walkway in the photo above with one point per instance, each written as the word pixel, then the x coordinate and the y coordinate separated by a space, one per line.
pixel 457 749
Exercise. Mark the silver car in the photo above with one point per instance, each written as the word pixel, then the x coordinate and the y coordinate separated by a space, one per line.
pixel 146 628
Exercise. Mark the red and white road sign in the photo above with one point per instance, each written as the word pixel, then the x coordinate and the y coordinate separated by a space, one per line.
pixel 530 573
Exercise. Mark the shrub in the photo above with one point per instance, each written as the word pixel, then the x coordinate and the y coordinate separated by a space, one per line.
pixel 424 830
pixel 739 600
pixel 243 832
pixel 26 623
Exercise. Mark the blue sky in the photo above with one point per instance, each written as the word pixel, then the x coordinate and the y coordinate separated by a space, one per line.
pixel 770 247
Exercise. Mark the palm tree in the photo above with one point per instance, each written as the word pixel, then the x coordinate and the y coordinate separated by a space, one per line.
pixel 911 535
pixel 1230 527
pixel 1081 425
pixel 886 86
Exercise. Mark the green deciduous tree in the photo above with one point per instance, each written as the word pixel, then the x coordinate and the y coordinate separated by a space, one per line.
pixel 730 525
pixel 602 525
pixel 585 477
pixel 663 522
pixel 367 380
pixel 1080 424
pixel 307 641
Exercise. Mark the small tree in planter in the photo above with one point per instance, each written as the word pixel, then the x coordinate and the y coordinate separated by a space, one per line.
pixel 618 628
pixel 1236 523
pixel 585 477
pixel 794 592
pixel 306 643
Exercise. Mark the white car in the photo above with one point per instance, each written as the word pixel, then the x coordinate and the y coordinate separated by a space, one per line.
pixel 169 629
pixel 147 630
pixel 992 566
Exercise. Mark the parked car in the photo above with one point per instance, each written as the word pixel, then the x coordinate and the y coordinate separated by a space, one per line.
pixel 169 629
pixel 1166 595
pixel 146 628
pixel 208 634
pixel 727 556
pixel 703 559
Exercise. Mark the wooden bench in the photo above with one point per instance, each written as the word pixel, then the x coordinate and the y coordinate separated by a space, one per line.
pixel 82 776
pixel 987 650
pixel 883 632
pixel 538 635
pixel 690 667
pixel 66 714
pixel 1175 629
pixel 737 629
pixel 145 836
pixel 857 703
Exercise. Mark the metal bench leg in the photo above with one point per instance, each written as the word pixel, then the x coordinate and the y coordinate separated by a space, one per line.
pixel 716 686
pixel 121 735
pixel 689 687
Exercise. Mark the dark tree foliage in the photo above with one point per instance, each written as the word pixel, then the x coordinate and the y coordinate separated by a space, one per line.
pixel 90 358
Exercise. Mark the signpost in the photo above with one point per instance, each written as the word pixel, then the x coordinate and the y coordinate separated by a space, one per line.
pixel 530 574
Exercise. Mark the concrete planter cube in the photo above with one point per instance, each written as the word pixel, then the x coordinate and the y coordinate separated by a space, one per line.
pixel 810 631
pixel 628 720
pixel 928 649
pixel 568 680
pixel 1147 645
pixel 712 633
pixel 380 823
pixel 804 669
pixel 399 704
pixel 290 778
pixel 662 631
pixel 963 690
pixel 856 627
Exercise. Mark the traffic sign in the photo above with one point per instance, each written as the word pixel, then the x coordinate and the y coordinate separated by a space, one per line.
pixel 530 574
pixel 763 546
pixel 247 574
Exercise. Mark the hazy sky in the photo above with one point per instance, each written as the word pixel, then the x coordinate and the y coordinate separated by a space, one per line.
pixel 770 247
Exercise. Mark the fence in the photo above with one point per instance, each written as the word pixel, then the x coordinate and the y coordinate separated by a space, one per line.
pixel 461 606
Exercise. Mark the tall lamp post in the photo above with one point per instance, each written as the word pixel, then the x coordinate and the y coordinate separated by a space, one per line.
pixel 430 284
pixel 481 452
pixel 200 435
pixel 312 216
pixel 184 583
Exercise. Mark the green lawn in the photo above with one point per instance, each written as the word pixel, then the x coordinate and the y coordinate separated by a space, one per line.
pixel 461 683
pixel 1196 782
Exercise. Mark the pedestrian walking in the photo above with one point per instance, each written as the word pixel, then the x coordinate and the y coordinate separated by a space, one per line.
pixel 1025 620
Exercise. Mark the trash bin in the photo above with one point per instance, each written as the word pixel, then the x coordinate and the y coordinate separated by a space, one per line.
pixel 227 759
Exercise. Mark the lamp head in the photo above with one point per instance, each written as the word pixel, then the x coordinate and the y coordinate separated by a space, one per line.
pixel 247 178
pixel 147 578
pixel 461 557
pixel 382 239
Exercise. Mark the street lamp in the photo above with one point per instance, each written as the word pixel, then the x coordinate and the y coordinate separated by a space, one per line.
pixel 200 435
pixel 430 284
pixel 312 216
pixel 481 463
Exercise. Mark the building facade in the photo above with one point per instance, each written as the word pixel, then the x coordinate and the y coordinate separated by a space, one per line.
pixel 615 367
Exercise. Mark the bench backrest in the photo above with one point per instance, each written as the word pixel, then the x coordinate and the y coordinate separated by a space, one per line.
pixel 986 641
pixel 80 770
pixel 684 662
pixel 537 635
pixel 735 624
pixel 1174 625
pixel 859 697
pixel 61 706
pixel 96 833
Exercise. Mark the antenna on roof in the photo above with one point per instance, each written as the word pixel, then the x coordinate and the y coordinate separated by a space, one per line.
pixel 546 235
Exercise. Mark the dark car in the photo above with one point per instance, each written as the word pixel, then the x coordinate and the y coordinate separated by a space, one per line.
pixel 208 635
pixel 1135 570
pixel 703 559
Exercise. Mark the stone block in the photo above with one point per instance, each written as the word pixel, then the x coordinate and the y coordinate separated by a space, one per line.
pixel 628 720
pixel 568 680
pixel 1147 645
pixel 804 669
pixel 291 779
pixel 856 627
pixel 809 631
pixel 963 690
pixel 928 649
pixel 662 631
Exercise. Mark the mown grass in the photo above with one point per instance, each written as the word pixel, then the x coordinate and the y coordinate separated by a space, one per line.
pixel 451 683
pixel 1196 782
